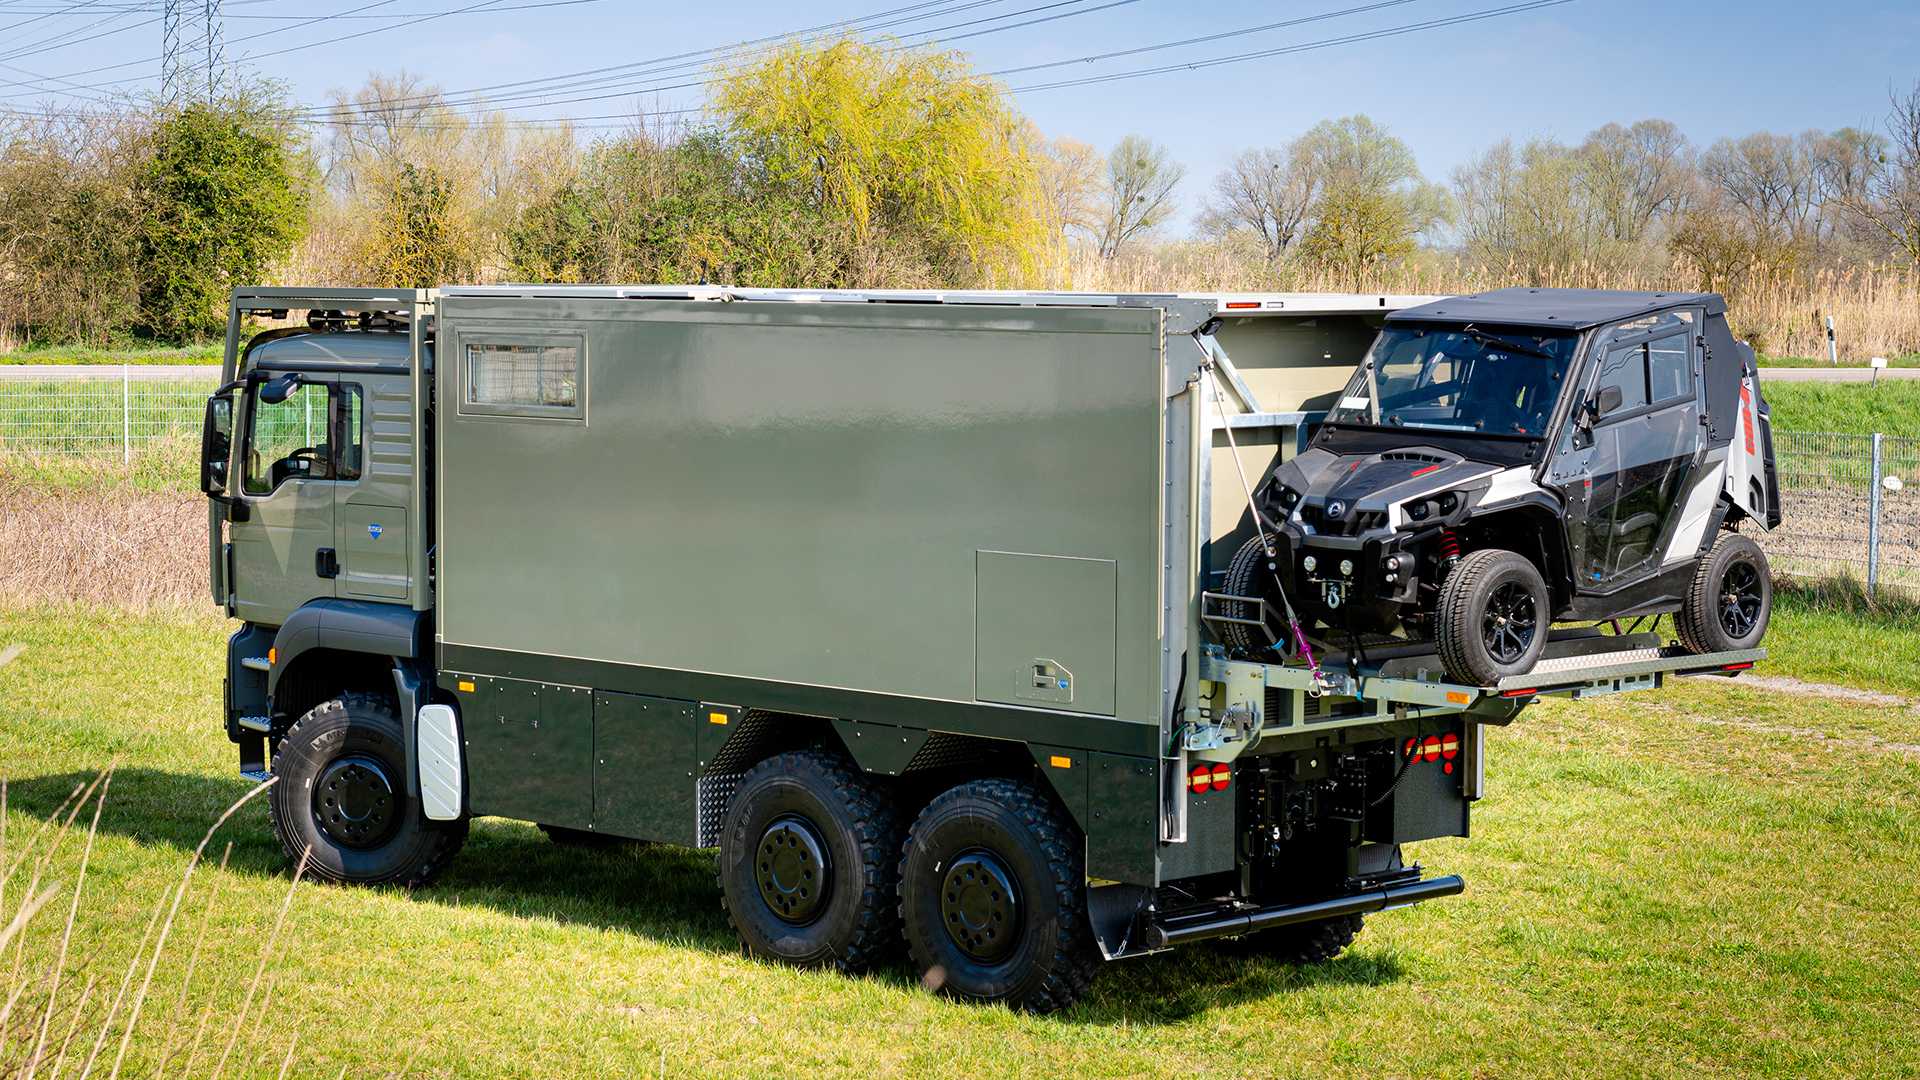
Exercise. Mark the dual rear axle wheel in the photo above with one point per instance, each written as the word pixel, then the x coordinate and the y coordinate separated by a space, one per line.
pixel 817 870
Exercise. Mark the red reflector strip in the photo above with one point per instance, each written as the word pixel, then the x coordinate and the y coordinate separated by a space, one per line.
pixel 1746 416
pixel 1738 667
pixel 1199 778
pixel 1242 305
pixel 1425 471
pixel 1450 746
pixel 1520 693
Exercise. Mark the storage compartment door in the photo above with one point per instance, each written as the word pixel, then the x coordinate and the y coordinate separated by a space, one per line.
pixel 1044 631
pixel 530 751
pixel 644 757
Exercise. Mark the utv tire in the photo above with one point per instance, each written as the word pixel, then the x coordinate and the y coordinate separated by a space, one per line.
pixel 342 796
pixel 807 863
pixel 1492 618
pixel 993 895
pixel 1301 943
pixel 1248 574
pixel 1731 599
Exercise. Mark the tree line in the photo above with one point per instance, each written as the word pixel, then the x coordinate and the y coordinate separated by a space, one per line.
pixel 857 165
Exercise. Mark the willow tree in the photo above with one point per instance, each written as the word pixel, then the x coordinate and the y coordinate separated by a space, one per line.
pixel 923 167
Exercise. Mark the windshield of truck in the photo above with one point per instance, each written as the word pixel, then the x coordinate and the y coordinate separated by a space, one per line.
pixel 1464 379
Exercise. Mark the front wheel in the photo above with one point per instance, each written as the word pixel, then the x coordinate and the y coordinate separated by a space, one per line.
pixel 1731 599
pixel 1492 618
pixel 993 894
pixel 342 797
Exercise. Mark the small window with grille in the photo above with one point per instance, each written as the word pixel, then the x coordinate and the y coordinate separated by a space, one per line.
pixel 534 377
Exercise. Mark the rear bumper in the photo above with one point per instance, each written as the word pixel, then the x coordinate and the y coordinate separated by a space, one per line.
pixel 1180 928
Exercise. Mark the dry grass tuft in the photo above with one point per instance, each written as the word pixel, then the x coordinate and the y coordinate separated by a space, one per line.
pixel 109 544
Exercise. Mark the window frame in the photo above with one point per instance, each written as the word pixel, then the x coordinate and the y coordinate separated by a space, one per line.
pixel 575 413
pixel 335 425
pixel 1643 340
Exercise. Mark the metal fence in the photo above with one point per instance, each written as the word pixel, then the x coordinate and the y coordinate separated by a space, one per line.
pixel 1852 502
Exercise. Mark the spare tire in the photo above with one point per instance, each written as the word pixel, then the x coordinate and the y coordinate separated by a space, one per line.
pixel 1492 618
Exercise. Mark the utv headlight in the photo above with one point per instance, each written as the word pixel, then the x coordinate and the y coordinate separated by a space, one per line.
pixel 1418 511
pixel 1346 567
pixel 1309 564
pixel 1289 498
pixel 1449 502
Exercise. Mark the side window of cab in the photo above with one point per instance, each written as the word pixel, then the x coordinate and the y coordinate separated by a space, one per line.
pixel 301 430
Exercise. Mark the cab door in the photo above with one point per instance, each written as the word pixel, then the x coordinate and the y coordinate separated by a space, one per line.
pixel 1625 468
pixel 283 538
pixel 377 474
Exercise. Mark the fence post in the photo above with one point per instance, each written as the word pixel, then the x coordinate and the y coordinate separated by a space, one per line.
pixel 126 414
pixel 1873 521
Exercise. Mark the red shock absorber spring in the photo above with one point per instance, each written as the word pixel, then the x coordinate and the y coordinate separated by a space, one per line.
pixel 1449 545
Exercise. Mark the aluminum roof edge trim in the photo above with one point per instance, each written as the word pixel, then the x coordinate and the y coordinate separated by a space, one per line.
pixel 1224 303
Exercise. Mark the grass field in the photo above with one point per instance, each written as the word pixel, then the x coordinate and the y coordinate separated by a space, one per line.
pixel 1715 879
pixel 135 353
pixel 1904 360
pixel 1892 407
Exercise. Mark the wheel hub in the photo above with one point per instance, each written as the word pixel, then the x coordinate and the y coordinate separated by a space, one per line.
pixel 792 869
pixel 1740 599
pixel 353 802
pixel 979 906
pixel 1511 622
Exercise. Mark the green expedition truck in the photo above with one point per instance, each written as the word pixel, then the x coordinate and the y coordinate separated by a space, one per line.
pixel 904 601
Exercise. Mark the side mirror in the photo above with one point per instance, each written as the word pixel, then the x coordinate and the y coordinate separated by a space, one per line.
pixel 276 391
pixel 1607 400
pixel 216 445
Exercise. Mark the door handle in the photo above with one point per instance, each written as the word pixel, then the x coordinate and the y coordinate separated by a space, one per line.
pixel 325 564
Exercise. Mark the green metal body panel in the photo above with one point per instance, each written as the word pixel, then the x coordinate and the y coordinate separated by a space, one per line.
pixel 372 517
pixel 644 765
pixel 529 751
pixel 797 494
pixel 275 548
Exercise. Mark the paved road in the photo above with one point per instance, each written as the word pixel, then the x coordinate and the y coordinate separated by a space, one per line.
pixel 1834 374
pixel 139 372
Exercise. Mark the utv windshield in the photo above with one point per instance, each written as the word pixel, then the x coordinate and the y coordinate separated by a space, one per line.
pixel 1463 379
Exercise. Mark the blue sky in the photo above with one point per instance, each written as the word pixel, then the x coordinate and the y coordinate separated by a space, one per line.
pixel 1715 67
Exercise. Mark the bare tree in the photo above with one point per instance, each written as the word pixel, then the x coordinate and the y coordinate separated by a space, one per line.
pixel 1070 177
pixel 1771 184
pixel 1632 176
pixel 1267 192
pixel 1373 203
pixel 1886 192
pixel 1141 177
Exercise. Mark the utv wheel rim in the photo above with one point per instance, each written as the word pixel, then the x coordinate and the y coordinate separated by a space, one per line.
pixel 1740 599
pixel 1511 622
pixel 353 802
pixel 792 870
pixel 980 907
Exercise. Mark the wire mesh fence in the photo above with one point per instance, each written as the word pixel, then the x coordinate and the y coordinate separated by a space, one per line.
pixel 1852 502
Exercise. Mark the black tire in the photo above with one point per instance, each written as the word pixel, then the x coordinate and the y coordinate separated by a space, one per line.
pixel 1302 943
pixel 1016 930
pixel 1492 617
pixel 810 833
pixel 1731 599
pixel 1247 575
pixel 342 794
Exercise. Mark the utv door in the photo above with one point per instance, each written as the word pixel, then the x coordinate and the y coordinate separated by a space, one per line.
pixel 1624 465
pixel 283 550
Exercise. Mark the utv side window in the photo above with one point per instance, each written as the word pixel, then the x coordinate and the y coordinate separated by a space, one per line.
pixel 295 437
pixel 1624 368
pixel 1670 368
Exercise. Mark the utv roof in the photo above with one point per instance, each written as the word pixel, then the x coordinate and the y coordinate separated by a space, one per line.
pixel 1571 309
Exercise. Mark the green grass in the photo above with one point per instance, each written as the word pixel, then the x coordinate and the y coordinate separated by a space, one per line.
pixel 1891 407
pixel 130 353
pixel 1713 879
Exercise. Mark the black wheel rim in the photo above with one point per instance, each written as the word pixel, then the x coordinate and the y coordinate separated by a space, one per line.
pixel 1511 622
pixel 792 869
pixel 980 907
pixel 1740 599
pixel 353 802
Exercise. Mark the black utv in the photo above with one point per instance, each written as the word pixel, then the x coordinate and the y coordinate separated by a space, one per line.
pixel 1505 461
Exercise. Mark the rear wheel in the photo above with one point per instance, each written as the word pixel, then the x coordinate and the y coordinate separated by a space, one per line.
pixel 807 863
pixel 1492 617
pixel 342 796
pixel 1731 599
pixel 993 895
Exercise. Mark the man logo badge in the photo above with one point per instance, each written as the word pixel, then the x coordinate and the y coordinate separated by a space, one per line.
pixel 373 530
